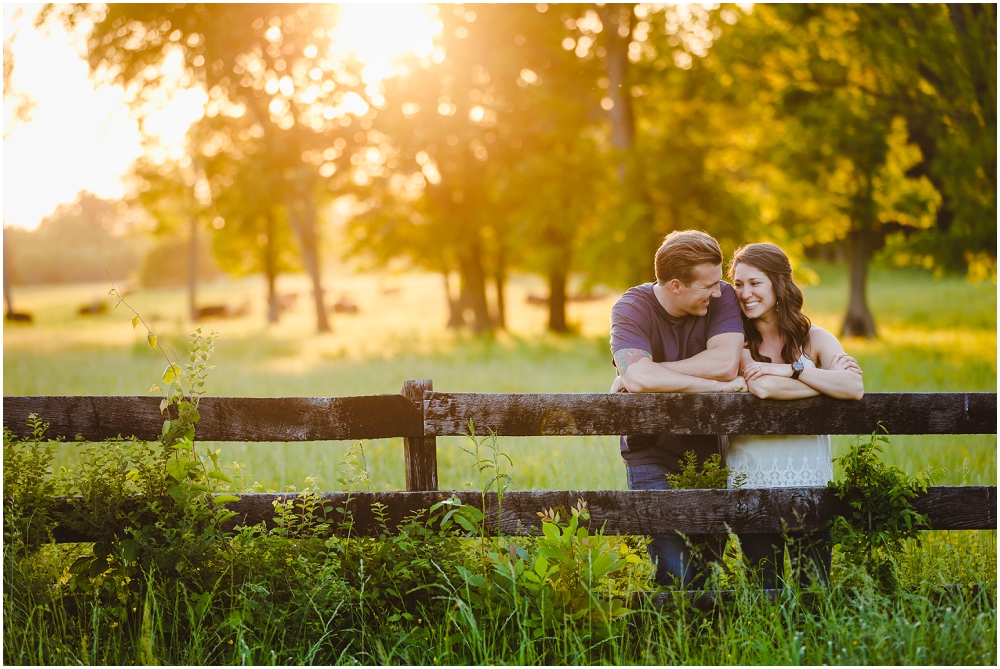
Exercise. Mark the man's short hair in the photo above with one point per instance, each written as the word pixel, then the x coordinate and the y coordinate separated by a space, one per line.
pixel 681 252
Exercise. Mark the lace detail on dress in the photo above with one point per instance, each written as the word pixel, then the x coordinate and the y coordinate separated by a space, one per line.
pixel 784 461
pixel 781 461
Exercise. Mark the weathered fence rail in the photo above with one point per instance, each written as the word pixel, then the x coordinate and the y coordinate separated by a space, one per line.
pixel 420 415
pixel 511 415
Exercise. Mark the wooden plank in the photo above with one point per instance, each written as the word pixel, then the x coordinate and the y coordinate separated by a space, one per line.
pixel 222 418
pixel 637 512
pixel 420 453
pixel 321 418
pixel 524 414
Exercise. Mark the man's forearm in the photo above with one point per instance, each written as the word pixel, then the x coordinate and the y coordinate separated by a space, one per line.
pixel 720 364
pixel 720 361
pixel 656 378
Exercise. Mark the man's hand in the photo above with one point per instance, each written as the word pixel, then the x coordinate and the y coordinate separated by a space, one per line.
pixel 737 385
pixel 618 386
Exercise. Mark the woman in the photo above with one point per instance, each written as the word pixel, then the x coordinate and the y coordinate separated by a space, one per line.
pixel 785 357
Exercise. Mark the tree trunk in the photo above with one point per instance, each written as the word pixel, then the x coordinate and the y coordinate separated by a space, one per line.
pixel 456 313
pixel 557 300
pixel 271 271
pixel 500 281
pixel 858 321
pixel 474 290
pixel 304 224
pixel 9 304
pixel 193 269
pixel 617 19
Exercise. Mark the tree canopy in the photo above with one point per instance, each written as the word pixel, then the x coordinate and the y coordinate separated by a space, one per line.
pixel 571 138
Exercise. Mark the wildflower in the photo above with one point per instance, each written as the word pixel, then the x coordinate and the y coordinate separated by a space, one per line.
pixel 230 642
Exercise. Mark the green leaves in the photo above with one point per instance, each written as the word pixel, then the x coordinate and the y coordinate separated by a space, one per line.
pixel 882 516
pixel 711 474
pixel 151 339
pixel 171 373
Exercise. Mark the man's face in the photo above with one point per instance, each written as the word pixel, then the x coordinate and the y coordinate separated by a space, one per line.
pixel 693 298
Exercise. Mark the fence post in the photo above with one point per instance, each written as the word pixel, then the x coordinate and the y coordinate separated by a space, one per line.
pixel 420 453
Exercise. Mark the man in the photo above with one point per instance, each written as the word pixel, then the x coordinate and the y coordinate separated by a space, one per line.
pixel 682 333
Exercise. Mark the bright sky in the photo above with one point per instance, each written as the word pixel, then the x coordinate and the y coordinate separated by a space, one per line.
pixel 84 138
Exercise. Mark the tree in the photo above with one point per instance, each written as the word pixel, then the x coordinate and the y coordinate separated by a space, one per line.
pixel 21 107
pixel 675 134
pixel 835 158
pixel 272 63
pixel 940 75
pixel 468 126
pixel 167 192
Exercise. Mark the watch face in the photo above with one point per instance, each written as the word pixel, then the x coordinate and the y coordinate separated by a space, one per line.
pixel 798 366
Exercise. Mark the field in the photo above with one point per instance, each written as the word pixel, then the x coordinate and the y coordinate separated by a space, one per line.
pixel 935 335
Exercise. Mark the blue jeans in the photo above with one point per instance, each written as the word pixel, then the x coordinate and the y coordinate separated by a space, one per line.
pixel 672 553
pixel 809 553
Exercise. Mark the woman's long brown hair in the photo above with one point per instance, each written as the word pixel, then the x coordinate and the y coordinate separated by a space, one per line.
pixel 793 325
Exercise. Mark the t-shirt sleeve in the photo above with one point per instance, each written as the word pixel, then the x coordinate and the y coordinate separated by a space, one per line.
pixel 724 316
pixel 629 326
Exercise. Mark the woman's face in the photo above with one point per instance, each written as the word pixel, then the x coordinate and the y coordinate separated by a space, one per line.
pixel 754 291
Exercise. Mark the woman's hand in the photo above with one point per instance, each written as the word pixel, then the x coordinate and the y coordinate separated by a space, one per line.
pixel 756 370
pixel 844 362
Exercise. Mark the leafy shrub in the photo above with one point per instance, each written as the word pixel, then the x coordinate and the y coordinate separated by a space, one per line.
pixel 28 489
pixel 882 516
pixel 560 579
pixel 711 474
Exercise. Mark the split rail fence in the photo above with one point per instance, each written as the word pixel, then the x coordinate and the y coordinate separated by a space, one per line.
pixel 419 415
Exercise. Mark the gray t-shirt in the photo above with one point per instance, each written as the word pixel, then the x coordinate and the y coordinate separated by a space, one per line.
pixel 638 320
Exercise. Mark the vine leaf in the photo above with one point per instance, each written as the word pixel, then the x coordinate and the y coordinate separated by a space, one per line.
pixel 151 338
pixel 171 373
pixel 135 322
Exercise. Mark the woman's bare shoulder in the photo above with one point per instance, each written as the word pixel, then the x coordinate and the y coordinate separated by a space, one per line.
pixel 822 343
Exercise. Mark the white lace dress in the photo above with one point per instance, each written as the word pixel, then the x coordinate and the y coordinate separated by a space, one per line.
pixel 781 461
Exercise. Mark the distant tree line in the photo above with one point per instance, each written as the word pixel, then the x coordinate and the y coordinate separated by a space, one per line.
pixel 572 137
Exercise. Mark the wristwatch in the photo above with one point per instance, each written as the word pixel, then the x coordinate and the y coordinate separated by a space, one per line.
pixel 797 368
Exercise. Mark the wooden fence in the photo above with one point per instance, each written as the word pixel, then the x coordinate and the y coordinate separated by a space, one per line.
pixel 420 415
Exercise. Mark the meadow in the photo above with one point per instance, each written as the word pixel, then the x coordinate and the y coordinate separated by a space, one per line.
pixel 935 335
pixel 275 600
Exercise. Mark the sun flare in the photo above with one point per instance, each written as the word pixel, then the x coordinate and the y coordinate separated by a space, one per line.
pixel 378 34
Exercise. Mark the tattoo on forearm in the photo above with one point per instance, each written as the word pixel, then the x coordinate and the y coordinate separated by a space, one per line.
pixel 629 356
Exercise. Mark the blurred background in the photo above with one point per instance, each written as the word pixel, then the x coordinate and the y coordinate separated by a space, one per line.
pixel 357 195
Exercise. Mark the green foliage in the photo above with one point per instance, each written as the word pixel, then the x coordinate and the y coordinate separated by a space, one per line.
pixel 28 489
pixel 73 244
pixel 711 475
pixel 563 579
pixel 882 516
